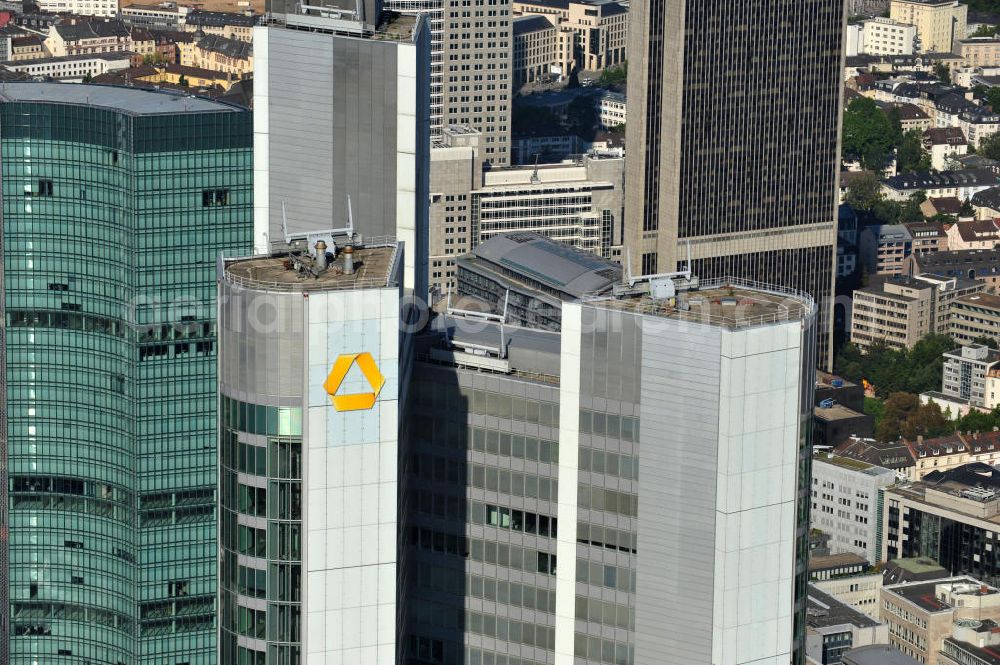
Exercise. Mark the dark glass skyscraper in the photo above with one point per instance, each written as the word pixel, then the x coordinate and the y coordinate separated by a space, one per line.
pixel 733 136
pixel 116 203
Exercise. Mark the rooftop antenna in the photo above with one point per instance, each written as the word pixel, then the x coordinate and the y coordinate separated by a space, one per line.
pixel 312 236
pixel 503 320
pixel 534 175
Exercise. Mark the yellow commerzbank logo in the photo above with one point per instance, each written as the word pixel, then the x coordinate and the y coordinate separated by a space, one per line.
pixel 355 401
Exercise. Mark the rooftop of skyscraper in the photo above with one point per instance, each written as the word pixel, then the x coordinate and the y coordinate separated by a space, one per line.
pixel 727 302
pixel 133 101
pixel 369 266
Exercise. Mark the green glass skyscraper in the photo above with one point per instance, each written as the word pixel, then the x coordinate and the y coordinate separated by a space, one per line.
pixel 116 204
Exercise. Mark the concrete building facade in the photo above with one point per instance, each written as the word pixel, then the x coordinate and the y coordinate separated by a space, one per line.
pixel 939 23
pixel 884 36
pixel 922 615
pixel 975 317
pixel 536 54
pixel 845 494
pixel 689 174
pixel 902 310
pixel 592 33
pixel 476 72
pixel 965 370
pixel 578 203
pixel 350 99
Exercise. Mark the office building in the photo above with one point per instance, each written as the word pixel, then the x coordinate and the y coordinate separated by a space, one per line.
pixel 923 615
pixel 579 203
pixel 344 91
pixel 884 36
pixel 592 34
pixel 471 68
pixel 845 504
pixel 832 627
pixel 702 145
pixel 477 73
pixel 975 317
pixel 154 17
pixel 939 23
pixel 830 566
pixel 310 399
pixel 952 517
pixel 964 373
pixel 858 591
pixel 982 265
pixel 536 56
pixel 883 248
pixel 835 423
pixel 116 202
pixel 529 506
pixel 900 311
pixel 103 8
pixel 496 274
pixel 456 171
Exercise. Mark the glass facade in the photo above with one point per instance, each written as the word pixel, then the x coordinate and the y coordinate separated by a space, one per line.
pixel 112 221
pixel 261 533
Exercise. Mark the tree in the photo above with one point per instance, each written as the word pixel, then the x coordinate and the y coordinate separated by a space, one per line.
pixel 904 416
pixel 863 191
pixel 534 121
pixel 182 81
pixel 911 211
pixel 967 210
pixel 582 117
pixel 911 156
pixel 992 97
pixel 986 340
pixel 989 147
pixel 898 408
pixel 867 134
pixel 892 370
pixel 985 31
pixel 87 78
pixel 928 421
pixel 614 77
pixel 942 72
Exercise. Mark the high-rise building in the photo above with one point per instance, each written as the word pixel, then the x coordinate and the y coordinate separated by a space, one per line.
pixel 471 46
pixel 574 495
pixel 312 374
pixel 578 203
pixel 341 126
pixel 116 202
pixel 476 72
pixel 733 142
pixel 478 492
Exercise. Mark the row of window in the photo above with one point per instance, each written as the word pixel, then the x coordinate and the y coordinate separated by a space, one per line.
pixel 519 520
pixel 500 554
pixel 260 419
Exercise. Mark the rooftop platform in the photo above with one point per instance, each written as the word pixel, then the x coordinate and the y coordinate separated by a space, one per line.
pixel 726 302
pixel 374 268
pixel 131 101
pixel 926 595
